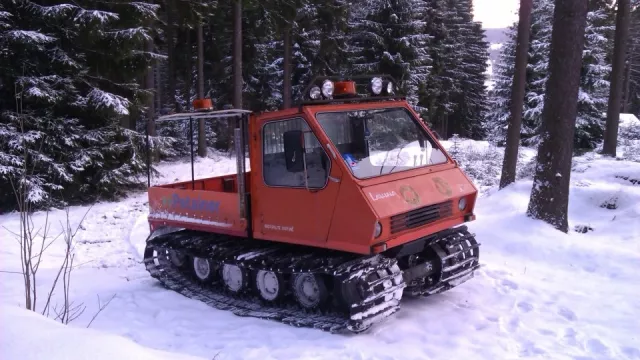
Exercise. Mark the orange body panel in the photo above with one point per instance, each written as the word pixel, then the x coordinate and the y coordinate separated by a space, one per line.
pixel 210 210
pixel 354 220
pixel 341 215
pixel 395 197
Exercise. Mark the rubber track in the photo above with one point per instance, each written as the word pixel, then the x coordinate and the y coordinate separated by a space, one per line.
pixel 458 266
pixel 379 302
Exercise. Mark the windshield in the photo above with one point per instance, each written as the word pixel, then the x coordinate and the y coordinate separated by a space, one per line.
pixel 380 141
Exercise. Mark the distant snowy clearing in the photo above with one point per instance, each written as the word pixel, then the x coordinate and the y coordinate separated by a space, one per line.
pixel 540 293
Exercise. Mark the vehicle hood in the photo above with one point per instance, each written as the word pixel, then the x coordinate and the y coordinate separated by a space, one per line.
pixel 399 196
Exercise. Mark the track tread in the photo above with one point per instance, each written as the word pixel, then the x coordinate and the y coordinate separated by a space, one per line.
pixel 274 256
pixel 379 277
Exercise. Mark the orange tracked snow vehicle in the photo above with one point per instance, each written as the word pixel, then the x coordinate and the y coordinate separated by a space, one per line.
pixel 349 204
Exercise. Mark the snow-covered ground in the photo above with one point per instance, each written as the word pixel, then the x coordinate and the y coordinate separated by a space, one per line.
pixel 541 293
pixel 29 336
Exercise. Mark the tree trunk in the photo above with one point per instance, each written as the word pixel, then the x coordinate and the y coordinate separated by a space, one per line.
pixel 202 138
pixel 286 81
pixel 237 54
pixel 550 193
pixel 445 127
pixel 517 95
pixel 187 68
pixel 171 55
pixel 157 73
pixel 150 85
pixel 617 70
pixel 237 66
pixel 627 85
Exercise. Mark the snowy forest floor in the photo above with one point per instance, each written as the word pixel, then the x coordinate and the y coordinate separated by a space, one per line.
pixel 541 293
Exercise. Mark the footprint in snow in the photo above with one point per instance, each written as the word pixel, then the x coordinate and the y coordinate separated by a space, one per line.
pixel 529 348
pixel 596 346
pixel 546 332
pixel 510 325
pixel 570 337
pixel 525 306
pixel 496 274
pixel 631 352
pixel 509 284
pixel 567 313
pixel 506 286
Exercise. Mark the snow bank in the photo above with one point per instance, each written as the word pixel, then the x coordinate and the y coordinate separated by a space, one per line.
pixel 27 335
pixel 629 138
pixel 629 120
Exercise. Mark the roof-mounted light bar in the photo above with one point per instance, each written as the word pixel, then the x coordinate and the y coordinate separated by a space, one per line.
pixel 329 88
pixel 380 86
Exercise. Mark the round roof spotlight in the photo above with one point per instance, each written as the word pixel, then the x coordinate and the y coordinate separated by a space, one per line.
pixel 314 93
pixel 376 85
pixel 389 88
pixel 327 88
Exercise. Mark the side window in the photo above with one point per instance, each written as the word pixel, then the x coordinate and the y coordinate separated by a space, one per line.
pixel 273 161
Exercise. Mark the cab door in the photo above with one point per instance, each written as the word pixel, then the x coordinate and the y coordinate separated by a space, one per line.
pixel 285 207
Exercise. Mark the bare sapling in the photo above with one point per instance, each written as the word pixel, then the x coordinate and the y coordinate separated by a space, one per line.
pixel 33 243
pixel 68 311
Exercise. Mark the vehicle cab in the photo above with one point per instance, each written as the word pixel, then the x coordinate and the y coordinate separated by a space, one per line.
pixel 353 172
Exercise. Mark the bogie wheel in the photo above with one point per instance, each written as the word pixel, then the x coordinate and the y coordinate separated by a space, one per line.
pixel 202 269
pixel 270 285
pixel 177 258
pixel 309 289
pixel 234 277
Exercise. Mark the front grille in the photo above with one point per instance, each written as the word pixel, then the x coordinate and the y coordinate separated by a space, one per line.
pixel 421 216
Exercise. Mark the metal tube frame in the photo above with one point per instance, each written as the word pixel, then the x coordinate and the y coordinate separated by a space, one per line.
pixel 241 134
pixel 193 178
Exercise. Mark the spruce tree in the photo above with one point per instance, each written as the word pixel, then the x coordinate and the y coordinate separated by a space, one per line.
pixel 385 39
pixel 331 26
pixel 633 67
pixel 73 67
pixel 538 74
pixel 623 18
pixel 437 95
pixel 471 101
pixel 500 96
pixel 593 81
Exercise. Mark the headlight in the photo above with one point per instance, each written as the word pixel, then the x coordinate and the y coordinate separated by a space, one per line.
pixel 327 88
pixel 314 93
pixel 377 229
pixel 376 85
pixel 462 204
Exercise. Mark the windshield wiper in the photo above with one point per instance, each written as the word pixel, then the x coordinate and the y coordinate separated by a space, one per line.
pixel 384 162
pixel 397 158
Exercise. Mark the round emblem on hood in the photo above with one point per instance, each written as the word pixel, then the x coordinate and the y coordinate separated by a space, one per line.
pixel 442 186
pixel 409 195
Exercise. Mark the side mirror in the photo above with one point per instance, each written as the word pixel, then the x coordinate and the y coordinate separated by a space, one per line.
pixel 294 150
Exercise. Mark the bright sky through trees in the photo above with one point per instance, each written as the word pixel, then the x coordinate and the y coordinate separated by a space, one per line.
pixel 495 13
